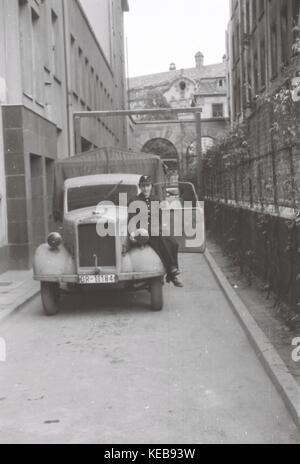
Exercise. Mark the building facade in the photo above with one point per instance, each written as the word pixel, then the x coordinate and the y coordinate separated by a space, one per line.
pixel 203 85
pixel 56 57
pixel 260 51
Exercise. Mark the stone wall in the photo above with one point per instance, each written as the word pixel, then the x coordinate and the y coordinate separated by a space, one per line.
pixel 30 148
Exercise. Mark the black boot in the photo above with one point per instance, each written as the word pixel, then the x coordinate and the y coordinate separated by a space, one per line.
pixel 174 279
pixel 177 282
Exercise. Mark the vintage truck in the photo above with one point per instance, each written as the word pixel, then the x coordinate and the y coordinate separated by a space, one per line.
pixel 75 256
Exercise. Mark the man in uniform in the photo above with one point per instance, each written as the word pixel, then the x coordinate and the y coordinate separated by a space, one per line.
pixel 165 247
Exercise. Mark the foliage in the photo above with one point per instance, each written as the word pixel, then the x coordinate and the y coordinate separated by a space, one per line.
pixel 230 147
pixel 156 100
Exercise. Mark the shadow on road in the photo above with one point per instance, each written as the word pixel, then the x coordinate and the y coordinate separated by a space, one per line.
pixel 104 303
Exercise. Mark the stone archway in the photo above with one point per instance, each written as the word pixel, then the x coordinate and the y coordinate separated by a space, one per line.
pixel 165 149
pixel 181 136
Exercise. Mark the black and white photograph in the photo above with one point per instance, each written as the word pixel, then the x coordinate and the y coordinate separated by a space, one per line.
pixel 149 225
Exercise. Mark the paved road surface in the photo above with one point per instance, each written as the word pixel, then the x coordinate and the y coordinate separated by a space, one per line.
pixel 108 370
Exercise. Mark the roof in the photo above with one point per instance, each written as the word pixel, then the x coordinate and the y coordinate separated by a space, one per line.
pixel 103 179
pixel 204 72
pixel 210 87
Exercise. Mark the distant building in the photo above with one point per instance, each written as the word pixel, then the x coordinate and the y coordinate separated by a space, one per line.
pixel 56 57
pixel 260 41
pixel 203 85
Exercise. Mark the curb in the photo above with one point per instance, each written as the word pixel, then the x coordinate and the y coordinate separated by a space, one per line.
pixel 284 382
pixel 18 304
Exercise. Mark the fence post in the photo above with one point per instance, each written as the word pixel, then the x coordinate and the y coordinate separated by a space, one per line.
pixel 293 180
pixel 235 181
pixel 273 157
pixel 199 157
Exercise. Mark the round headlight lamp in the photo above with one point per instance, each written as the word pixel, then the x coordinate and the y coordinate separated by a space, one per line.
pixel 54 240
pixel 140 237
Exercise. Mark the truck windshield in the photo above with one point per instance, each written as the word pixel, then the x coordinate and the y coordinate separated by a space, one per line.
pixel 92 195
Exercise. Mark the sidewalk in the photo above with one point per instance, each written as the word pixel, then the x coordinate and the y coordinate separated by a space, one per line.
pixel 16 289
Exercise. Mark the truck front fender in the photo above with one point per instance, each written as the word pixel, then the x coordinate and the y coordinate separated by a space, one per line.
pixel 53 262
pixel 142 259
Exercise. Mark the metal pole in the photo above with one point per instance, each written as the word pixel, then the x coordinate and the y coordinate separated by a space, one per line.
pixel 200 186
pixel 92 114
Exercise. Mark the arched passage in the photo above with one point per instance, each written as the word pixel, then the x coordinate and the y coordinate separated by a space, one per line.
pixel 165 149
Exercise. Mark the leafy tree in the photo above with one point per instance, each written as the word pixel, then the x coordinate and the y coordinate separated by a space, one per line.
pixel 156 100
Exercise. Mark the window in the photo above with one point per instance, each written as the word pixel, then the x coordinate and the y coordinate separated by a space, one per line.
pixel 254 13
pixel 37 41
pixel 255 71
pixel 274 61
pixel 284 35
pixel 295 11
pixel 262 63
pixel 75 77
pixel 86 78
pixel 80 71
pixel 250 89
pixel 56 45
pixel 26 47
pixel 237 96
pixel 221 83
pixel 247 20
pixel 238 38
pixel 182 86
pixel 218 110
pixel 233 47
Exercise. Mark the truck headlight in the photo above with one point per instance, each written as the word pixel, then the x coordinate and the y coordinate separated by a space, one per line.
pixel 140 237
pixel 54 240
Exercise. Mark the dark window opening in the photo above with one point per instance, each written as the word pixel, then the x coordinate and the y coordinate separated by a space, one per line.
pixel 284 36
pixel 217 110
pixel 182 85
pixel 262 63
pixel 92 195
pixel 274 48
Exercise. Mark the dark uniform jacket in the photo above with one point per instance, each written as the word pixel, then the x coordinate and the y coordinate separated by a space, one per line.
pixel 165 247
pixel 148 202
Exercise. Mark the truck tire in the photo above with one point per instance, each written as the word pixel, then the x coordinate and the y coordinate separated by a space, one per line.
pixel 50 298
pixel 156 292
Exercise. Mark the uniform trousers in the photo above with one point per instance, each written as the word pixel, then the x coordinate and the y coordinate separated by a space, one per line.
pixel 167 249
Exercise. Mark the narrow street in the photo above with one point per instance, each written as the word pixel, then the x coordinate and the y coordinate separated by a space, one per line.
pixel 108 370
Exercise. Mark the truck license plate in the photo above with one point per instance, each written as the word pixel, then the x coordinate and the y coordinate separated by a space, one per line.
pixel 97 279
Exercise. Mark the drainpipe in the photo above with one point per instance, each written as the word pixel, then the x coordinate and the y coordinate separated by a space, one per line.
pixel 69 105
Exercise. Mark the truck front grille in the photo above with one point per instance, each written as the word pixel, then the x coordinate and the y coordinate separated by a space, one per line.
pixel 91 244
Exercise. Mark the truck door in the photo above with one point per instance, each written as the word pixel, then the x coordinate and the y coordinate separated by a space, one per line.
pixel 183 216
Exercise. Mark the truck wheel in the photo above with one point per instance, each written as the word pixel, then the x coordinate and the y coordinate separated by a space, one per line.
pixel 50 297
pixel 156 291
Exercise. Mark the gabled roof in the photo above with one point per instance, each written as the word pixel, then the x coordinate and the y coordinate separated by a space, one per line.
pixel 210 87
pixel 165 78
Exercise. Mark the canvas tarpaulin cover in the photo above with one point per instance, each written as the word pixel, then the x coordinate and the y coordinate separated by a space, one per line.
pixel 104 161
